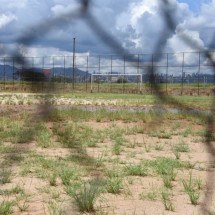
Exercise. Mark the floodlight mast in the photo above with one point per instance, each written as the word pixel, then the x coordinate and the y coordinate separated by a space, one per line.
pixel 73 65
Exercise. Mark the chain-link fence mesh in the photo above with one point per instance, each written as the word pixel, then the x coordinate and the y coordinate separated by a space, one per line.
pixel 167 10
pixel 186 73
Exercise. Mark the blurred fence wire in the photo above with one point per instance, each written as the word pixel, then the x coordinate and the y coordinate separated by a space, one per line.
pixel 168 11
pixel 185 73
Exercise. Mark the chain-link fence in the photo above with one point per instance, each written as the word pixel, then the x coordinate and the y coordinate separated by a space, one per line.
pixel 187 73
pixel 152 68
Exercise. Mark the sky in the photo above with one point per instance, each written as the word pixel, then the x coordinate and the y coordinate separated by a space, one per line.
pixel 135 24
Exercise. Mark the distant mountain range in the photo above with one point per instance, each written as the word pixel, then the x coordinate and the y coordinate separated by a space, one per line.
pixel 8 72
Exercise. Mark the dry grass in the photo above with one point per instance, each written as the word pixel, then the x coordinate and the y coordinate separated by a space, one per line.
pixel 51 164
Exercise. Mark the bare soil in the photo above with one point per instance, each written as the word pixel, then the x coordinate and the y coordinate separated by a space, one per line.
pixel 132 198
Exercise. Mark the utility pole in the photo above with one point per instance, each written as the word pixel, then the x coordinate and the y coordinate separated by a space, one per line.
pixel 73 65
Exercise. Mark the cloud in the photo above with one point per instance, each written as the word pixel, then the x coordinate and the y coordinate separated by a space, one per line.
pixel 196 27
pixel 11 4
pixel 6 19
pixel 60 9
pixel 137 25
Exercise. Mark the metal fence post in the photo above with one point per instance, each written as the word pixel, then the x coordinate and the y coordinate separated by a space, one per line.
pixel 87 72
pixel 91 81
pixel 13 70
pixel 22 83
pixel 138 65
pixel 152 72
pixel 32 64
pixel 182 75
pixel 167 70
pixel 4 74
pixel 54 75
pixel 111 74
pixel 42 72
pixel 98 75
pixel 199 72
pixel 73 65
pixel 64 73
pixel 124 77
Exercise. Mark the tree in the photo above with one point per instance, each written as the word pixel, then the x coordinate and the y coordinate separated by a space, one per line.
pixel 121 80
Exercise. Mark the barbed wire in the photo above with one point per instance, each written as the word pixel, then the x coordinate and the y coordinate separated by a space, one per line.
pixel 167 10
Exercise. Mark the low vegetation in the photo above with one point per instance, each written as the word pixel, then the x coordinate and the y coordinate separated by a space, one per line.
pixel 99 160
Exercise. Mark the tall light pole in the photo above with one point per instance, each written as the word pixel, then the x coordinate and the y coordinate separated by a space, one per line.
pixel 73 65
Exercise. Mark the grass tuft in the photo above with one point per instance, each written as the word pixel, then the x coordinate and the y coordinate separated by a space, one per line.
pixel 114 185
pixel 192 187
pixel 86 195
pixel 165 195
pixel 181 146
pixel 6 207
pixel 137 170
pixel 5 176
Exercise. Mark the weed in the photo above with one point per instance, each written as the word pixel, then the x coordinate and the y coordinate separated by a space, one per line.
pixel 181 147
pixel 15 190
pixel 114 172
pixel 162 134
pixel 213 164
pixel 188 185
pixel 45 189
pixel 116 135
pixel 187 132
pixel 99 136
pixel 194 196
pixel 114 185
pixel 86 195
pixel 5 176
pixel 23 206
pixel 82 159
pixel 91 143
pixel 146 146
pixel 53 179
pixel 7 149
pixel 159 147
pixel 116 149
pixel 68 175
pixel 74 135
pixel 198 184
pixel 130 180
pixel 165 166
pixel 131 154
pixel 191 187
pixel 99 160
pixel 167 201
pixel 14 157
pixel 21 202
pixel 173 174
pixel 167 181
pixel 6 207
pixel 18 133
pixel 132 144
pixel 165 135
pixel 43 137
pixel 55 209
pixel 55 194
pixel 176 153
pixel 152 195
pixel 135 130
pixel 137 170
pixel 39 165
pixel 176 126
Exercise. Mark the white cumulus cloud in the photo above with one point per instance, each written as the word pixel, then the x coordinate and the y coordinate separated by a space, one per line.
pixel 136 24
pixel 6 19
